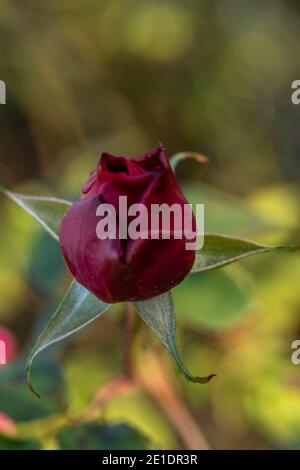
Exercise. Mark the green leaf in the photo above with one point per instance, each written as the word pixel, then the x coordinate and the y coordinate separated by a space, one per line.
pixel 179 157
pixel 45 265
pixel 158 313
pixel 17 443
pixel 48 211
pixel 94 436
pixel 18 402
pixel 221 299
pixel 220 250
pixel 78 308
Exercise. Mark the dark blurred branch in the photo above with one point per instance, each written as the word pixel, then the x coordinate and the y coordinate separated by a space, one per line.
pixel 128 339
pixel 151 375
pixel 106 393
pixel 158 384
pixel 123 382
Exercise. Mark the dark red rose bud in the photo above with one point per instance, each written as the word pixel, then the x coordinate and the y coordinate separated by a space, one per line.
pixel 126 269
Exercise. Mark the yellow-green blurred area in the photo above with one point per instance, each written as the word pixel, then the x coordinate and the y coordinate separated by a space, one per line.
pixel 214 76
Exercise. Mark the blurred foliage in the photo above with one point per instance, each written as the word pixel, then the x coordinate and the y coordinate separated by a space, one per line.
pixel 12 443
pixel 212 76
pixel 220 299
pixel 101 437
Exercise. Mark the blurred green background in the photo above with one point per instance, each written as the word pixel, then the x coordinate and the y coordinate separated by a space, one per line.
pixel 214 76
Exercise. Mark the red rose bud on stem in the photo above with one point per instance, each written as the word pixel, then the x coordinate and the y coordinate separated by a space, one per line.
pixel 118 267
